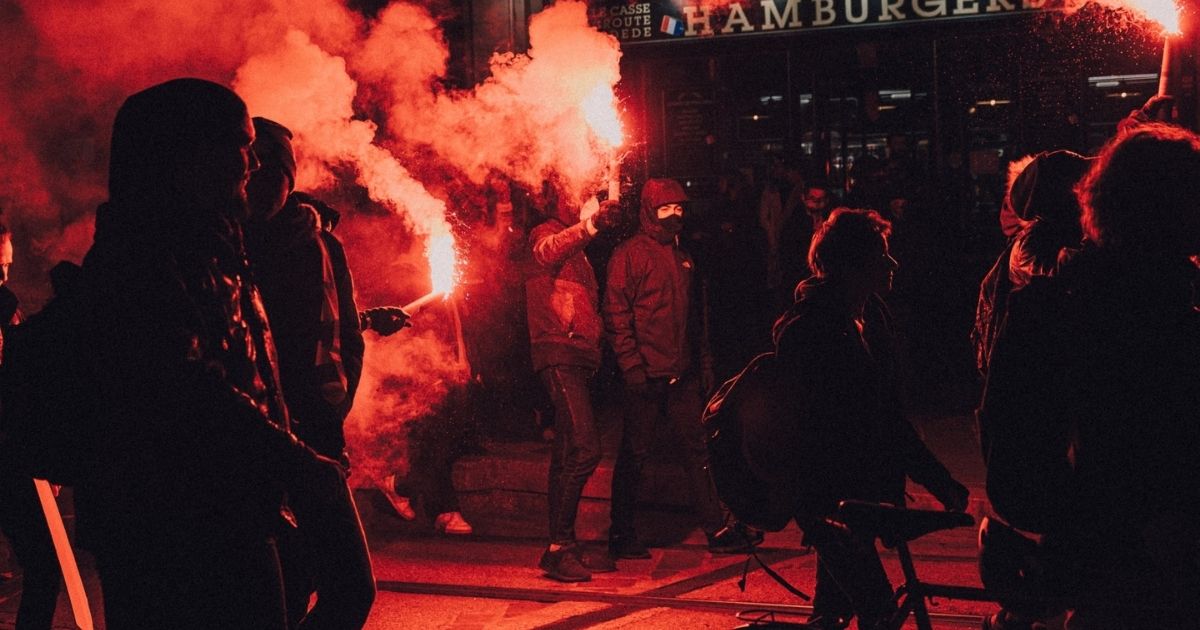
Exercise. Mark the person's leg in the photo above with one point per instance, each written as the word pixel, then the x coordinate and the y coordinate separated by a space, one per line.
pixel 830 603
pixel 296 569
pixel 641 414
pixel 341 562
pixel 24 525
pixel 684 408
pixel 576 451
pixel 853 565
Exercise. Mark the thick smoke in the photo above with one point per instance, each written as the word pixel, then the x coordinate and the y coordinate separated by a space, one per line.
pixel 375 132
pixel 525 121
pixel 308 90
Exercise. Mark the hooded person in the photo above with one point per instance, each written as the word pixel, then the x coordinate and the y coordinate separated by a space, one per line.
pixel 1041 196
pixel 191 454
pixel 653 320
pixel 307 290
pixel 562 311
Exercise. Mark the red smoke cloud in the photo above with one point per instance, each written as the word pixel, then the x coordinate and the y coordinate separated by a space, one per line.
pixel 307 64
pixel 526 120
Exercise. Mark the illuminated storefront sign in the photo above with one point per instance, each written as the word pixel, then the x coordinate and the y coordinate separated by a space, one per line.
pixel 666 20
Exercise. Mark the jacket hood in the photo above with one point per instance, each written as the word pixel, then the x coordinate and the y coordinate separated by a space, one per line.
pixel 1045 187
pixel 656 193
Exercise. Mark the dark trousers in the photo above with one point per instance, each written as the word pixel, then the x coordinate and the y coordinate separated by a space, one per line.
pixel 197 579
pixel 24 524
pixel 681 404
pixel 327 554
pixel 850 577
pixel 576 450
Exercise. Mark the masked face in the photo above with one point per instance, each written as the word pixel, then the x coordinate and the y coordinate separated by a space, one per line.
pixel 670 217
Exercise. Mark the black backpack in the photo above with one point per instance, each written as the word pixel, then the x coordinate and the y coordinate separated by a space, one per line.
pixel 741 414
pixel 47 393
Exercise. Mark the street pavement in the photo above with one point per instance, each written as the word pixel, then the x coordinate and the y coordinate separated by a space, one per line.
pixel 490 579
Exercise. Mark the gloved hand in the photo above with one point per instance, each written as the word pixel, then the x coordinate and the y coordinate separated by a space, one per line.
pixel 952 495
pixel 385 320
pixel 635 381
pixel 609 216
pixel 1160 108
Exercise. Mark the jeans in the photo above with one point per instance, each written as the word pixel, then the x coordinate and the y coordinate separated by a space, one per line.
pixel 850 577
pixel 681 403
pixel 576 450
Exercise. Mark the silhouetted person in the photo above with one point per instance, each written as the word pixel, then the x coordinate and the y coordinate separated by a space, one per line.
pixel 837 357
pixel 1042 195
pixel 653 321
pixel 21 516
pixel 301 270
pixel 1090 420
pixel 564 332
pixel 193 452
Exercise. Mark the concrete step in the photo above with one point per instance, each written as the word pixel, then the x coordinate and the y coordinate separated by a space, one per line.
pixel 503 491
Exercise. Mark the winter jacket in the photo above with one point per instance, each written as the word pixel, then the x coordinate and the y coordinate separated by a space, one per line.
pixel 306 287
pixel 561 295
pixel 648 312
pixel 189 423
pixel 852 439
pixel 1090 419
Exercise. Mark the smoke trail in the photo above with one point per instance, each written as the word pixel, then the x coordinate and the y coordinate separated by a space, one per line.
pixel 300 86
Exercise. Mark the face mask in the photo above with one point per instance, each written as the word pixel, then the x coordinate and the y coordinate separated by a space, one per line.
pixel 672 224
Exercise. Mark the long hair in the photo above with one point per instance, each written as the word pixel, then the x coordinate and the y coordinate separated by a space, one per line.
pixel 1141 191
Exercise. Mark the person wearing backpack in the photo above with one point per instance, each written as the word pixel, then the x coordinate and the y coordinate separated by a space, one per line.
pixel 564 334
pixel 849 437
pixel 656 334
pixel 191 453
pixel 21 517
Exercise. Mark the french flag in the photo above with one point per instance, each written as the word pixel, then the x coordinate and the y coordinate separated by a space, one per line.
pixel 671 26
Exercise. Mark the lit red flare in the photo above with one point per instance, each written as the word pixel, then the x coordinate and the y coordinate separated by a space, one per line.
pixel 1164 12
pixel 443 271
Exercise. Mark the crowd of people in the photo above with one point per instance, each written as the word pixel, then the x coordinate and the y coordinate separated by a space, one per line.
pixel 224 347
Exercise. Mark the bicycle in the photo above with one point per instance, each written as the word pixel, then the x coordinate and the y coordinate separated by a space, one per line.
pixel 895 527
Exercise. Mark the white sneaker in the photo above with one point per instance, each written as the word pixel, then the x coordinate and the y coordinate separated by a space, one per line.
pixel 452 523
pixel 402 505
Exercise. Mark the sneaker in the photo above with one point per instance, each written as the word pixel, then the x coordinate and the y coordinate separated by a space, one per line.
pixel 452 523
pixel 402 505
pixel 595 560
pixel 627 547
pixel 564 565
pixel 736 538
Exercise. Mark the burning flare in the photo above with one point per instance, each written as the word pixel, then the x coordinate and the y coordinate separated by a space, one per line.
pixel 600 110
pixel 1164 12
pixel 443 267
pixel 443 271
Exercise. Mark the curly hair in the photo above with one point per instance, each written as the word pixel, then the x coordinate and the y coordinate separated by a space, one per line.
pixel 847 238
pixel 1141 191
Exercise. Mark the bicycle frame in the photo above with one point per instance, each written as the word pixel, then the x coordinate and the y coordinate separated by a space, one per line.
pixel 913 593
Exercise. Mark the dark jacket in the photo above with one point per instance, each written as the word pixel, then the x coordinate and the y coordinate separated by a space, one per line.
pixel 306 287
pixel 191 428
pixel 1090 420
pixel 651 324
pixel 853 440
pixel 561 294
